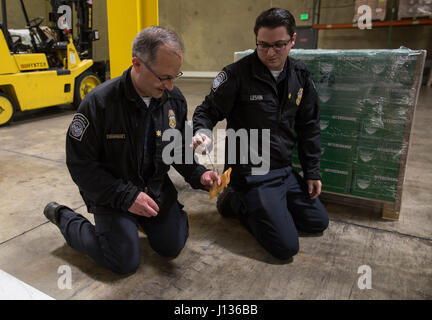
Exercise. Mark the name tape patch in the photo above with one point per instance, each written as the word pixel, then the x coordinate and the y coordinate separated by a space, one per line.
pixel 256 97
pixel 78 126
pixel 110 136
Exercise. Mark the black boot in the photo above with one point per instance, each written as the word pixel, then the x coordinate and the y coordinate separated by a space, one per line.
pixel 52 212
pixel 224 203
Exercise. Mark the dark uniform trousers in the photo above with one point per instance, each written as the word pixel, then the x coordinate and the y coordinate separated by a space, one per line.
pixel 273 207
pixel 113 241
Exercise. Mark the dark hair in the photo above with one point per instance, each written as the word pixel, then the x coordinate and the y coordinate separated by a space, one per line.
pixel 275 17
pixel 147 42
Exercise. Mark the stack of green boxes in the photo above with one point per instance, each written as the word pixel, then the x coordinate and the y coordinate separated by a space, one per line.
pixel 364 98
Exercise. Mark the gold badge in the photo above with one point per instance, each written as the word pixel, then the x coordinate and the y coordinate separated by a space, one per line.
pixel 299 96
pixel 171 119
pixel 289 95
pixel 158 133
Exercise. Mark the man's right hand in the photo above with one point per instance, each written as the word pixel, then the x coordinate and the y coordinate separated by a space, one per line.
pixel 144 206
pixel 200 142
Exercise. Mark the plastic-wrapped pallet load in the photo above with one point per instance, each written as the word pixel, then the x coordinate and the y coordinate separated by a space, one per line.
pixel 414 8
pixel 367 100
pixel 241 54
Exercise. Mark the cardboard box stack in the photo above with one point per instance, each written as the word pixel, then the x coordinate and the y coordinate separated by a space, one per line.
pixel 414 8
pixel 364 97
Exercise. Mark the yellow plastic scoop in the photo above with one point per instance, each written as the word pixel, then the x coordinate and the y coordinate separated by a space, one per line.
pixel 225 180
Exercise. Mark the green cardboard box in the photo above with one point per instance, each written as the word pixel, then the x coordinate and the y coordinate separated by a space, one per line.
pixel 338 149
pixel 383 154
pixel 384 129
pixel 376 109
pixel 391 94
pixel 374 183
pixel 339 126
pixel 336 177
pixel 339 95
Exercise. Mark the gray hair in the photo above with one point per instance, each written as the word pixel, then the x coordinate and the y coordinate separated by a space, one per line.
pixel 147 42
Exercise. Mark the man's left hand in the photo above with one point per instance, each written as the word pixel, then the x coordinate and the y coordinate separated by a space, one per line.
pixel 208 178
pixel 314 188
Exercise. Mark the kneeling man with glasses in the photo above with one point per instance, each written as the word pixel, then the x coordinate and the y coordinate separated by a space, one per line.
pixel 268 90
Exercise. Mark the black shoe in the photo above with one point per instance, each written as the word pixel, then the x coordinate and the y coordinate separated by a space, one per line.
pixel 223 203
pixel 52 212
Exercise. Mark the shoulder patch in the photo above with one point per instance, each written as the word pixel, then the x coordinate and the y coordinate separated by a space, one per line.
pixel 78 126
pixel 220 78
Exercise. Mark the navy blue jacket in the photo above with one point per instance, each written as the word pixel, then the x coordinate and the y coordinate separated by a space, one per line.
pixel 105 147
pixel 246 94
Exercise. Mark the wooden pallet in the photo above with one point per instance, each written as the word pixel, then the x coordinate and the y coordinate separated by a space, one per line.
pixel 387 210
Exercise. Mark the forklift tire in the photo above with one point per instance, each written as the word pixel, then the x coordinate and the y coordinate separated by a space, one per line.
pixel 85 83
pixel 7 109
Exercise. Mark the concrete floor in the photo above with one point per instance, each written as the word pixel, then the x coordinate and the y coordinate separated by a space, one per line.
pixel 221 260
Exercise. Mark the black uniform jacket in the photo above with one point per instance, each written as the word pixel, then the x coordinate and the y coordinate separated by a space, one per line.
pixel 104 147
pixel 247 95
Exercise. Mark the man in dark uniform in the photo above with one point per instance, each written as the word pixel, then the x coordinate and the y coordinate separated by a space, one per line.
pixel 269 90
pixel 114 154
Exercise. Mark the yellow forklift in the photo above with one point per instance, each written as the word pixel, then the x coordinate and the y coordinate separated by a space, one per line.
pixel 48 70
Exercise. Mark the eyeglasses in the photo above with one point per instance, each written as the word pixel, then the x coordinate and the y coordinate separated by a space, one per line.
pixel 277 47
pixel 164 79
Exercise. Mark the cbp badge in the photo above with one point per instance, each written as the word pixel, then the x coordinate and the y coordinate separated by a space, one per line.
pixel 78 126
pixel 299 96
pixel 171 119
pixel 220 78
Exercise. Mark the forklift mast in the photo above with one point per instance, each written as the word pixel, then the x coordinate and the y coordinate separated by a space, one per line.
pixel 85 33
pixel 4 24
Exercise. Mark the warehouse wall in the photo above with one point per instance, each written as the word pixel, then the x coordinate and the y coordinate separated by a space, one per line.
pixel 213 30
pixel 16 20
